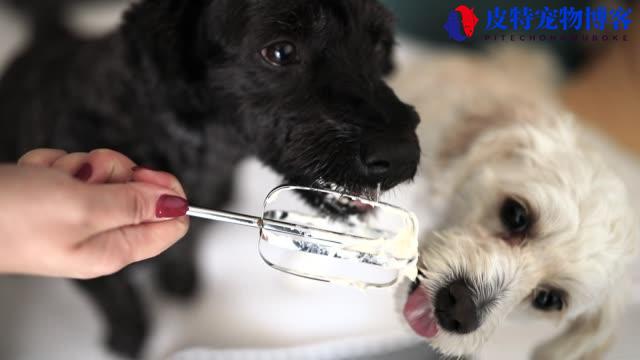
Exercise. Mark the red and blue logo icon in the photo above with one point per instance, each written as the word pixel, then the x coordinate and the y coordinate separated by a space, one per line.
pixel 461 23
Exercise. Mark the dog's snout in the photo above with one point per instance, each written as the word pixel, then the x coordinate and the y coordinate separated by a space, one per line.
pixel 387 159
pixel 455 308
pixel 393 109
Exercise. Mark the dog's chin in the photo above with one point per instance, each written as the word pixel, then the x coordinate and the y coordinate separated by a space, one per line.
pixel 419 311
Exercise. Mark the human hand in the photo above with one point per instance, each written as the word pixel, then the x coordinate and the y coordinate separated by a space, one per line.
pixel 85 215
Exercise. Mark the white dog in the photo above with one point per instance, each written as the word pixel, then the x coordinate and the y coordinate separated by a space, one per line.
pixel 532 221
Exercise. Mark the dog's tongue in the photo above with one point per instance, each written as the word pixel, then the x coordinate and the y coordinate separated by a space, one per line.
pixel 361 206
pixel 419 314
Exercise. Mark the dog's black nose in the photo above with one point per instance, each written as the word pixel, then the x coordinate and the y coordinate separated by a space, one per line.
pixel 455 309
pixel 389 160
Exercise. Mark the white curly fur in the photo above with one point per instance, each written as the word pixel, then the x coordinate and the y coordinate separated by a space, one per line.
pixel 491 130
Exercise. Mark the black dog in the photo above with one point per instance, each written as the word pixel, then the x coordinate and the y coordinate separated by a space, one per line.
pixel 193 87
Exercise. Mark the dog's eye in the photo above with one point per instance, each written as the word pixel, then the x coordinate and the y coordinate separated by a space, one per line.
pixel 515 217
pixel 548 300
pixel 280 54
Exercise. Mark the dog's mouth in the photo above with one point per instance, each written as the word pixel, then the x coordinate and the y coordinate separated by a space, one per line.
pixel 335 204
pixel 419 311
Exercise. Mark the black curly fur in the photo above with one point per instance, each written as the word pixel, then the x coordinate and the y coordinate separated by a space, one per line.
pixel 181 86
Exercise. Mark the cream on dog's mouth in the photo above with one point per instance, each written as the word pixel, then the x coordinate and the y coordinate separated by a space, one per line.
pixel 419 313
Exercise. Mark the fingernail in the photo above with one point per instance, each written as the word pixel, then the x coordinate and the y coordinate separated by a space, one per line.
pixel 170 206
pixel 84 173
pixel 140 168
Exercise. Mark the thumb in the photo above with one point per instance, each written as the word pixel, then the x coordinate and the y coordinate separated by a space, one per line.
pixel 129 223
pixel 109 252
pixel 113 206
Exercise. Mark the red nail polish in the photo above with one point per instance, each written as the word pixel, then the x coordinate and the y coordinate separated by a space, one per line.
pixel 170 206
pixel 84 172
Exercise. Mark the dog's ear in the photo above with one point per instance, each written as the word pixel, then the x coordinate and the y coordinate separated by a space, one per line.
pixel 464 132
pixel 221 24
pixel 182 35
pixel 589 335
pixel 483 130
